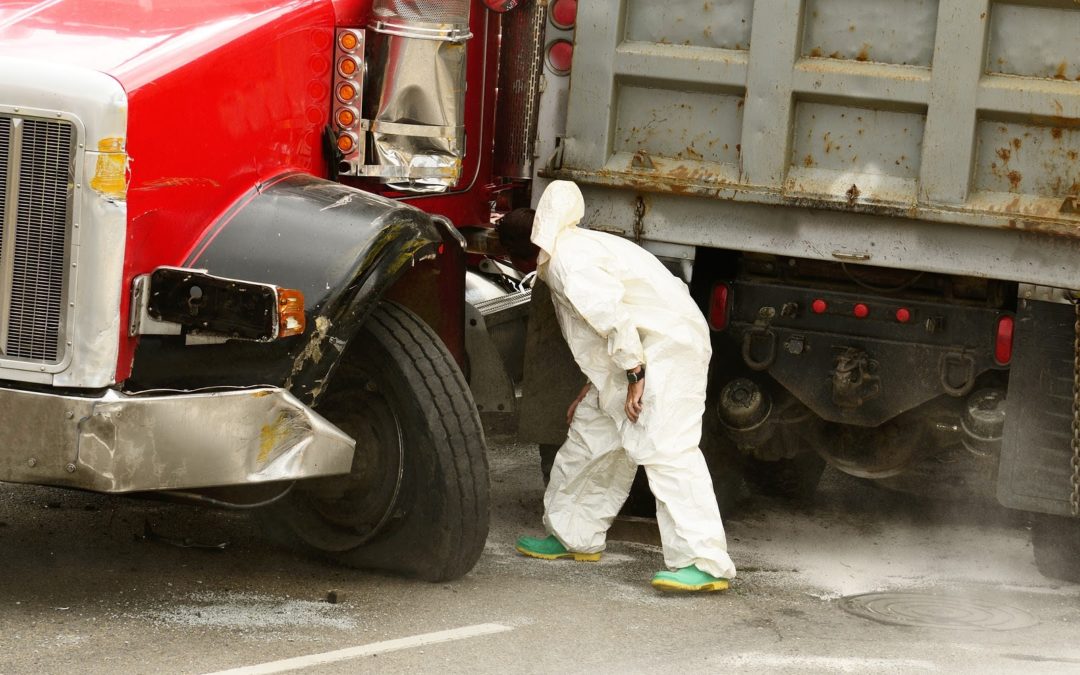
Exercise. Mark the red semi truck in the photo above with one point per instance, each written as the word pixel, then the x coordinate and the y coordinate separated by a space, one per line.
pixel 229 266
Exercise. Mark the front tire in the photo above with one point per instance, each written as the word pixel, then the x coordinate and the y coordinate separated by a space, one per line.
pixel 417 501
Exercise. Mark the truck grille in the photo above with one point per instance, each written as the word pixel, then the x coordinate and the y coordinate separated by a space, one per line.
pixel 36 176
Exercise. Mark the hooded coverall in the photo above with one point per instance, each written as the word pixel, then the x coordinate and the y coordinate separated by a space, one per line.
pixel 618 307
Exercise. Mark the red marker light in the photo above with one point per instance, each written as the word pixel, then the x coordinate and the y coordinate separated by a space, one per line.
pixel 819 306
pixel 560 56
pixel 903 315
pixel 1003 344
pixel 861 311
pixel 718 306
pixel 564 14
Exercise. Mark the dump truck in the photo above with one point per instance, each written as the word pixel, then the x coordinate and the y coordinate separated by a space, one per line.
pixel 876 204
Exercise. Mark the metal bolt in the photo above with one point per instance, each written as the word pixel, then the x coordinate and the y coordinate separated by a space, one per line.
pixel 31 462
pixel 70 468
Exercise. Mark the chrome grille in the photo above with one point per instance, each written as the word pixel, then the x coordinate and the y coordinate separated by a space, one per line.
pixel 36 171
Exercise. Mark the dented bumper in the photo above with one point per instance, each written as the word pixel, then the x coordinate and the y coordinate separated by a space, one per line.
pixel 122 443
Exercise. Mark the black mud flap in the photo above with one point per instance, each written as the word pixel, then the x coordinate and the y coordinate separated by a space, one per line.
pixel 1035 472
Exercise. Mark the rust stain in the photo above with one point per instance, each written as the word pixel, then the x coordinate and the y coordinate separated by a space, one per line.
pixel 1014 179
pixel 851 28
pixel 816 52
pixel 1056 133
pixel 864 53
pixel 1005 154
pixel 853 194
pixel 808 161
pixel 1016 143
pixel 1071 154
pixel 738 148
pixel 261 394
pixel 836 55
pixel 1059 74
pixel 694 153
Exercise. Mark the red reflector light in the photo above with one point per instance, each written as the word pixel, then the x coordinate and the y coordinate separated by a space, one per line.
pixel 564 14
pixel 560 55
pixel 861 311
pixel 1003 345
pixel 718 306
pixel 819 306
pixel 903 315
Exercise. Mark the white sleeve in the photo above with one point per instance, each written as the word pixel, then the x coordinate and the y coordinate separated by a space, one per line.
pixel 597 296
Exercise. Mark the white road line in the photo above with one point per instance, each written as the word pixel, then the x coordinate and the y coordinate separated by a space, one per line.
pixel 299 662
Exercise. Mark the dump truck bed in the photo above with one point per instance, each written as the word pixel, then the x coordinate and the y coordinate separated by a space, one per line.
pixel 946 114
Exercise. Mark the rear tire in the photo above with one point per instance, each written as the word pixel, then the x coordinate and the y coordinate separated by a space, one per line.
pixel 417 502
pixel 1056 541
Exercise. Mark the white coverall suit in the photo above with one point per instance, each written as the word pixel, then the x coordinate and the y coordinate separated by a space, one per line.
pixel 619 307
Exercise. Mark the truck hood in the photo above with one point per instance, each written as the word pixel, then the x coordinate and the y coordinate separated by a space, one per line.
pixel 134 41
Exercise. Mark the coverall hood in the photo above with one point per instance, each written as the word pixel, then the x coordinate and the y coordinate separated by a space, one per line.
pixel 561 207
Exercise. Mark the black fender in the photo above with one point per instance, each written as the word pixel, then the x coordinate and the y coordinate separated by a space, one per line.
pixel 340 246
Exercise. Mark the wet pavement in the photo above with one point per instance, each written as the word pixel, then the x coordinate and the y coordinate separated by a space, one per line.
pixel 95 584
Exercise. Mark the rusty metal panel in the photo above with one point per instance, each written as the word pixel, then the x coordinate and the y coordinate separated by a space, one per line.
pixel 875 153
pixel 887 107
pixel 680 125
pixel 720 24
pixel 1034 41
pixel 886 31
pixel 1028 159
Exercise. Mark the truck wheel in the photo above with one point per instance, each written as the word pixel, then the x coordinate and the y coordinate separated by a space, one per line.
pixel 1056 541
pixel 416 502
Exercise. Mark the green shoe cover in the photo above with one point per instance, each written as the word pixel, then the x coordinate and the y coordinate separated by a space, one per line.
pixel 550 548
pixel 688 579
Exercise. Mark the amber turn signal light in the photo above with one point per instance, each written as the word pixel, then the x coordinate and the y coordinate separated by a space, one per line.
pixel 291 320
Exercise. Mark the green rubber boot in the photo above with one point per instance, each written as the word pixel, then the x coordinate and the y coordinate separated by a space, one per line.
pixel 551 548
pixel 688 579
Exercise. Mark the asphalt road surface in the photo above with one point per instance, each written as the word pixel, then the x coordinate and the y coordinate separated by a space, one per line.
pixel 84 590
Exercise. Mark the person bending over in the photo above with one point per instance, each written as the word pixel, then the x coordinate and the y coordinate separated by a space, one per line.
pixel 645 348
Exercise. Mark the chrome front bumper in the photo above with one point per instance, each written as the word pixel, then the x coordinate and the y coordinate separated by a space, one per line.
pixel 123 443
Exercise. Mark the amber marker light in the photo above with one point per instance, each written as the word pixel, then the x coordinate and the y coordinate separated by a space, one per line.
pixel 110 177
pixel 346 143
pixel 346 117
pixel 291 320
pixel 348 41
pixel 348 66
pixel 346 92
